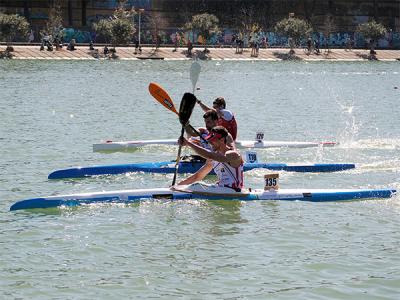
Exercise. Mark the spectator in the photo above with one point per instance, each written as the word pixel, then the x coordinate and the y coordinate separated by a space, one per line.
pixel 189 47
pixel 31 37
pixel 233 40
pixel 71 45
pixel 309 44
pixel 136 46
pixel 257 45
pixel 176 41
pixel 316 46
pixel 106 51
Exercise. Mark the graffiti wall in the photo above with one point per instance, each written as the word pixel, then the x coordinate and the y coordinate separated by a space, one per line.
pixel 335 40
pixel 111 4
pixel 78 35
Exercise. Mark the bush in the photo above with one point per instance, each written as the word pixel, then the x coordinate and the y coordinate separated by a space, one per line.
pixel 372 31
pixel 119 29
pixel 295 29
pixel 205 25
pixel 12 26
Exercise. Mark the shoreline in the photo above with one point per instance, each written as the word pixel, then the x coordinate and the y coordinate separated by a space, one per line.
pixel 168 53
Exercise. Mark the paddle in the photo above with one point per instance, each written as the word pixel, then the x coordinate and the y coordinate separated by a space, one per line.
pixel 195 69
pixel 185 111
pixel 162 97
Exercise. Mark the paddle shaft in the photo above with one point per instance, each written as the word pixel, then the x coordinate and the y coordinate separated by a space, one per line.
pixel 178 158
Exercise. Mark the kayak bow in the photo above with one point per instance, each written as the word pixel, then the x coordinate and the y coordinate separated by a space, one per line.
pixel 187 167
pixel 205 192
pixel 112 146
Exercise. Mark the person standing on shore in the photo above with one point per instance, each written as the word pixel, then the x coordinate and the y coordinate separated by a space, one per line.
pixel 189 48
pixel 31 37
pixel 225 117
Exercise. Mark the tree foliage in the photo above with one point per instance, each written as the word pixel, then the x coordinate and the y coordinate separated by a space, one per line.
pixel 103 28
pixel 205 25
pixel 12 26
pixel 372 30
pixel 249 24
pixel 328 28
pixel 156 22
pixel 119 28
pixel 294 28
pixel 54 24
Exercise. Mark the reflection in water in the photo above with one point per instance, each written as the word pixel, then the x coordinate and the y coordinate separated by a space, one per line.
pixel 225 217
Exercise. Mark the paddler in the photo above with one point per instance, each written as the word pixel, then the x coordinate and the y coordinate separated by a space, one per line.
pixel 210 121
pixel 225 117
pixel 226 162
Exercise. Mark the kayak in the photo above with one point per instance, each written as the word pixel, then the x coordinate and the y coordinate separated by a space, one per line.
pixel 112 146
pixel 187 167
pixel 205 192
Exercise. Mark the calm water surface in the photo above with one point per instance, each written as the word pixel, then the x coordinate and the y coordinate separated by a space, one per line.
pixel 52 113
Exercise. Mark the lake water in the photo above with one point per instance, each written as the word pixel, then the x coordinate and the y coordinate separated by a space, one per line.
pixel 53 111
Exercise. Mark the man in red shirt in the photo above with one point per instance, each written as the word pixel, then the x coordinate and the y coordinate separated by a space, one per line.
pixel 225 117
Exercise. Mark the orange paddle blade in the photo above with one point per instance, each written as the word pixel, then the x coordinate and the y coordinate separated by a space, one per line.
pixel 162 96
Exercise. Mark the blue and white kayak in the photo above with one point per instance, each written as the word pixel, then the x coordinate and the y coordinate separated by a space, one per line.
pixel 187 167
pixel 114 146
pixel 205 192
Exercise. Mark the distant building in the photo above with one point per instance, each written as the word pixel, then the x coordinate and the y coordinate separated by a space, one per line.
pixel 80 14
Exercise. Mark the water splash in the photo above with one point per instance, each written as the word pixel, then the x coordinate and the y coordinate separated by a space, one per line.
pixel 377 143
pixel 392 165
pixel 347 136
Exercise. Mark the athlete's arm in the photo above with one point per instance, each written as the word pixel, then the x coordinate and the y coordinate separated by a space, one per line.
pixel 230 142
pixel 231 157
pixel 199 175
pixel 203 106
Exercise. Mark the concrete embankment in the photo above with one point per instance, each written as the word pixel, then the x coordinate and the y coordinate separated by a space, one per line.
pixel 270 54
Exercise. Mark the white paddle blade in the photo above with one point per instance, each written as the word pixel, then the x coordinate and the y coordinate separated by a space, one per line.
pixel 195 69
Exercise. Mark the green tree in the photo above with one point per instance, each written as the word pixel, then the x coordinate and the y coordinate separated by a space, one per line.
pixel 120 28
pixel 295 29
pixel 103 28
pixel 328 28
pixel 205 25
pixel 12 26
pixel 54 24
pixel 156 22
pixel 371 31
pixel 248 23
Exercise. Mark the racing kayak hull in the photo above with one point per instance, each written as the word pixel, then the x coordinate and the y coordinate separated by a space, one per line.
pixel 205 193
pixel 187 167
pixel 114 146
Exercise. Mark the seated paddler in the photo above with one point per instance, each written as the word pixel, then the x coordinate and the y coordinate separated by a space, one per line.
pixel 226 162
pixel 210 121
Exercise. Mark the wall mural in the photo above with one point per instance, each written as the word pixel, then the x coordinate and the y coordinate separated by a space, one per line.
pixel 336 40
pixel 111 4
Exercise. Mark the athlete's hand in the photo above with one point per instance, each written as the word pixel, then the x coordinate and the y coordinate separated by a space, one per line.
pixel 182 141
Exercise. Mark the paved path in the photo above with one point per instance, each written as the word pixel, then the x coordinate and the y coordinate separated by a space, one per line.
pixel 272 54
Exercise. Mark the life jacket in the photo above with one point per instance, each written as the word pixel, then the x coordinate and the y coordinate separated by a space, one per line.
pixel 229 176
pixel 228 121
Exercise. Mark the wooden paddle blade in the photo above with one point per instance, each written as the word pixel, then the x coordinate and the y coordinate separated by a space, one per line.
pixel 162 96
pixel 186 108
